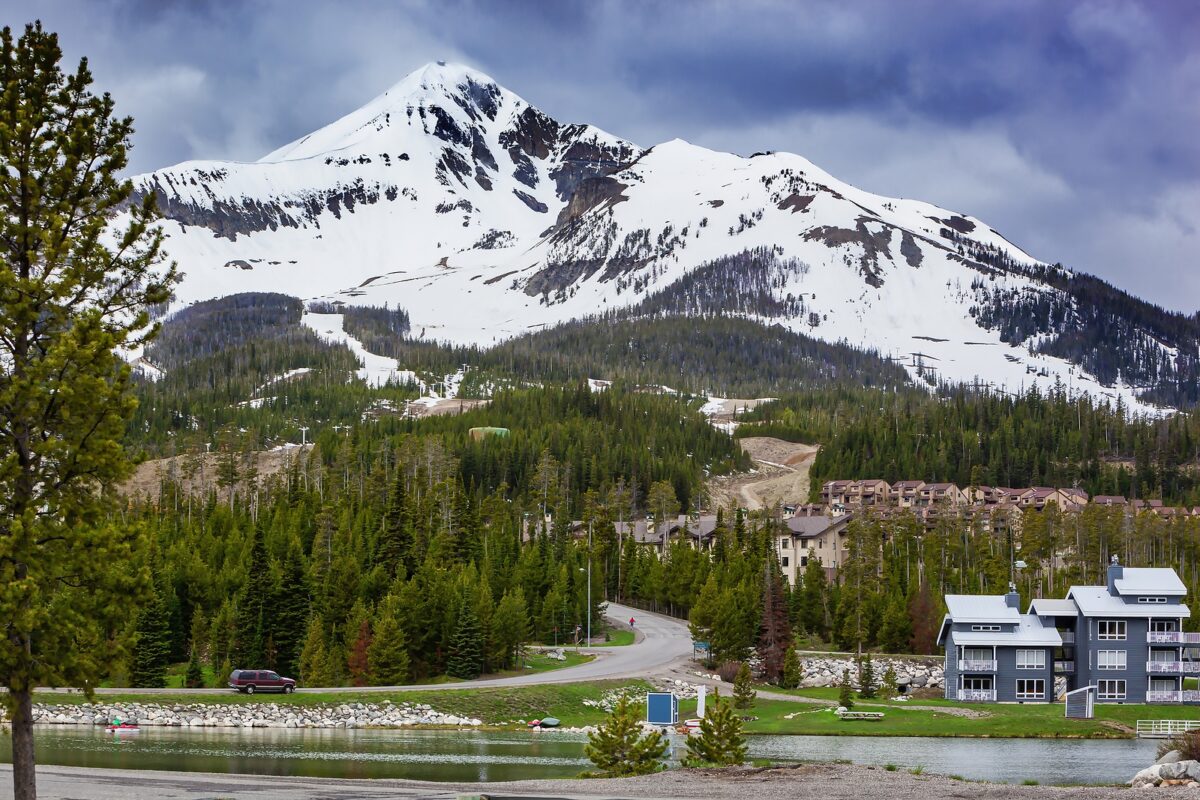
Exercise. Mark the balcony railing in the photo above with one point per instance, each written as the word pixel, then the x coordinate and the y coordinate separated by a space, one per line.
pixel 1174 667
pixel 1066 667
pixel 1068 637
pixel 1186 696
pixel 977 695
pixel 1172 637
pixel 977 665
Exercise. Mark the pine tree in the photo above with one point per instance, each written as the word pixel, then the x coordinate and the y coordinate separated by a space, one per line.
pixel 510 628
pixel 291 608
pixel 866 677
pixel 193 677
pixel 315 668
pixel 775 637
pixel 720 740
pixel 888 689
pixel 76 287
pixel 896 628
pixel 793 673
pixel 743 687
pixel 466 650
pixel 388 654
pixel 846 691
pixel 618 748
pixel 153 646
pixel 358 660
pixel 254 609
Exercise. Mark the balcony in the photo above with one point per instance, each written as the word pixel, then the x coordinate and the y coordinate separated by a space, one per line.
pixel 1068 637
pixel 1174 667
pixel 977 695
pixel 1172 637
pixel 1186 696
pixel 977 665
pixel 1064 667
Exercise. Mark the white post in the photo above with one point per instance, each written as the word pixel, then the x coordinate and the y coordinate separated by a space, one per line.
pixel 701 691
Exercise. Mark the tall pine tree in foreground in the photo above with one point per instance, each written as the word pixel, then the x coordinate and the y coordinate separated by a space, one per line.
pixel 70 298
pixel 618 748
pixel 720 740
pixel 152 646
pixel 466 650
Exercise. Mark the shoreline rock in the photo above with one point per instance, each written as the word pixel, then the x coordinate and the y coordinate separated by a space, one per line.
pixel 250 715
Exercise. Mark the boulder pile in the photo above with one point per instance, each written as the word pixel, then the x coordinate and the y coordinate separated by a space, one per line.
pixel 251 715
pixel 917 673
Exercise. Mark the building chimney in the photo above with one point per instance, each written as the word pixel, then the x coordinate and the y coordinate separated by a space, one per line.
pixel 1115 573
pixel 1013 598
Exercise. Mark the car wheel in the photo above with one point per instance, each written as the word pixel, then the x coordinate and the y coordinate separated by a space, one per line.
pixel 249 690
pixel 289 689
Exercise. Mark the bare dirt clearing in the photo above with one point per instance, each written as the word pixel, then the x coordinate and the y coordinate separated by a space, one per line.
pixel 780 475
pixel 197 473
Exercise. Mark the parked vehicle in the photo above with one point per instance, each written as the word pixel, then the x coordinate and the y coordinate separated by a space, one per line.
pixel 249 681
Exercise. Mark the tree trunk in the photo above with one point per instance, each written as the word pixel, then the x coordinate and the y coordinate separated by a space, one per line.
pixel 24 782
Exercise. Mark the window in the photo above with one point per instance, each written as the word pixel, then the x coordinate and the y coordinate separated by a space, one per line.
pixel 985 627
pixel 1031 689
pixel 785 561
pixel 1152 599
pixel 1031 659
pixel 1164 626
pixel 1113 629
pixel 1110 659
pixel 785 543
pixel 804 561
pixel 1110 690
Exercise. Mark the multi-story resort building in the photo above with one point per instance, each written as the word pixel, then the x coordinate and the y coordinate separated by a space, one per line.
pixel 1124 638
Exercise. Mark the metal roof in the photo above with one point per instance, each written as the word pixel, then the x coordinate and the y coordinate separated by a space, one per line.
pixel 1095 601
pixel 1053 607
pixel 1029 631
pixel 980 608
pixel 1149 580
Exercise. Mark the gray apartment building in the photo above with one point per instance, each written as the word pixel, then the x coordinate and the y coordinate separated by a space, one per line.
pixel 1125 638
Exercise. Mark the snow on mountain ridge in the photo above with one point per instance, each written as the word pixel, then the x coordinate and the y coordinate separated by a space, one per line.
pixel 456 199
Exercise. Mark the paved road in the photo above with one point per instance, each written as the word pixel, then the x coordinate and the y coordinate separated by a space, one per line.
pixel 661 641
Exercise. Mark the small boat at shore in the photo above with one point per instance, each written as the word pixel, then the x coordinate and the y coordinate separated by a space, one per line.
pixel 124 727
pixel 548 722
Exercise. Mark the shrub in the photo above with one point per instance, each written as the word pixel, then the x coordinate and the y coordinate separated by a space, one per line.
pixel 720 740
pixel 1188 745
pixel 618 747
pixel 743 689
pixel 729 670
pixel 792 672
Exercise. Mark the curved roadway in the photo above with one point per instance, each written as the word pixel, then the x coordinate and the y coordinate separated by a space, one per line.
pixel 661 641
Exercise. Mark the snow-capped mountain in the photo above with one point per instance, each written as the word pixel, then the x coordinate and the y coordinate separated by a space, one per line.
pixel 455 199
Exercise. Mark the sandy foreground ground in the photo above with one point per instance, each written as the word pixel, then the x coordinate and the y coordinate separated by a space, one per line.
pixel 824 782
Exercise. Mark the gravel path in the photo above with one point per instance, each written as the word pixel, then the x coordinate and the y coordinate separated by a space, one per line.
pixel 823 782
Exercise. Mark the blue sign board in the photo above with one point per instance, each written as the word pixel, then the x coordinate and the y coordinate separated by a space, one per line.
pixel 662 708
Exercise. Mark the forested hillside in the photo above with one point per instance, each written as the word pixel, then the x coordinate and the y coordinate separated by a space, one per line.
pixel 972 436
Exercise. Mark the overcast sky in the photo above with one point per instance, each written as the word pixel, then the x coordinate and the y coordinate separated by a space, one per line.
pixel 1072 127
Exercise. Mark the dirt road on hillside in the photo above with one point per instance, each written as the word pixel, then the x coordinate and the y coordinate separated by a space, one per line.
pixel 780 475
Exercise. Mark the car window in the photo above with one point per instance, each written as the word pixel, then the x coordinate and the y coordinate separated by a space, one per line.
pixel 271 676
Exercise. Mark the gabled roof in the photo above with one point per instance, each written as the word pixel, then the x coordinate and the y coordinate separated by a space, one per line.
pixel 807 527
pixel 1149 580
pixel 1029 631
pixel 1053 607
pixel 1095 601
pixel 980 608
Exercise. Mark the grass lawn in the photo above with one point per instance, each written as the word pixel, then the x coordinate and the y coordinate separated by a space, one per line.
pixel 493 705
pixel 617 638
pixel 1002 720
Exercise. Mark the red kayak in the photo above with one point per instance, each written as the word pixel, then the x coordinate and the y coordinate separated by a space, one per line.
pixel 124 727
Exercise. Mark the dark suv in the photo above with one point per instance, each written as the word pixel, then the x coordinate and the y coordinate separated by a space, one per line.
pixel 250 681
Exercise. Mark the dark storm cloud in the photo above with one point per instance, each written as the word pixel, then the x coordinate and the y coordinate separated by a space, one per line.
pixel 1071 127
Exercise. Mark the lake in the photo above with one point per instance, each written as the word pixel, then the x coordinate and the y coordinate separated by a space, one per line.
pixel 501 756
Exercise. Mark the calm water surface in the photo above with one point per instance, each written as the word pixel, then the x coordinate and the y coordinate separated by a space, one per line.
pixel 492 756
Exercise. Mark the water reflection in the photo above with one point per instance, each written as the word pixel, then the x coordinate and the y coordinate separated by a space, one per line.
pixel 514 755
